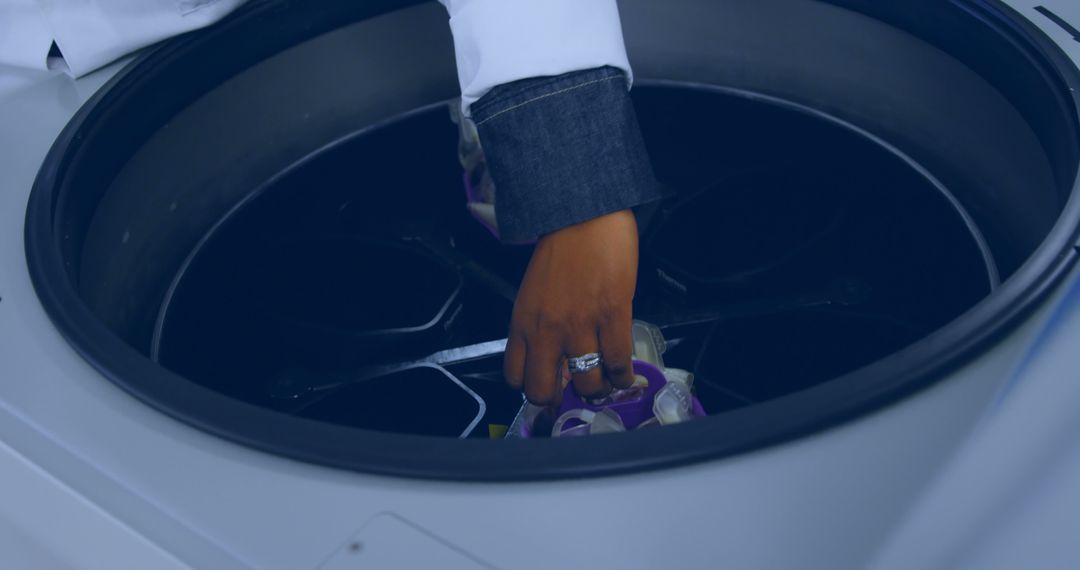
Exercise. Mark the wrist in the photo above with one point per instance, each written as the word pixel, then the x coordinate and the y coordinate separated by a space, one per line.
pixel 608 223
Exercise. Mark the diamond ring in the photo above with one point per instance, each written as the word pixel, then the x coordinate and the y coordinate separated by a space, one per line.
pixel 584 363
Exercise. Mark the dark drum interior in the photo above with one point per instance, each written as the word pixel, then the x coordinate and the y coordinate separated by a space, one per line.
pixel 272 243
pixel 791 251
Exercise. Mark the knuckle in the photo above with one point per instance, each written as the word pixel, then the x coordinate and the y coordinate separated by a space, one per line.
pixel 549 323
pixel 537 396
pixel 619 367
pixel 560 326
pixel 610 307
pixel 615 316
pixel 522 323
pixel 607 317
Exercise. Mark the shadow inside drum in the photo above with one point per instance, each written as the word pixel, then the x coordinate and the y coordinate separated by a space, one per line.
pixel 811 249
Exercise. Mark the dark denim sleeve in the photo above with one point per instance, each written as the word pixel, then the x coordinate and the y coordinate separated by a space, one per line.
pixel 562 150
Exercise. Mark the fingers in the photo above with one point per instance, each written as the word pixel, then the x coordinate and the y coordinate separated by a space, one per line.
pixel 514 360
pixel 543 370
pixel 589 384
pixel 539 364
pixel 617 345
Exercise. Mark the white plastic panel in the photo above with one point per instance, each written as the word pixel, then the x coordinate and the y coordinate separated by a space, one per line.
pixel 826 501
pixel 45 525
pixel 390 542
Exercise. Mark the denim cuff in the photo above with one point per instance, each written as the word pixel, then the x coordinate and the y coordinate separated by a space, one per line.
pixel 562 150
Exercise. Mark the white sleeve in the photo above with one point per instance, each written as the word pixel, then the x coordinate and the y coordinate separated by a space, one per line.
pixel 25 38
pixel 499 41
pixel 91 34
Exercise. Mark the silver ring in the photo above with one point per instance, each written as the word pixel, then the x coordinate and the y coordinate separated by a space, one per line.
pixel 584 363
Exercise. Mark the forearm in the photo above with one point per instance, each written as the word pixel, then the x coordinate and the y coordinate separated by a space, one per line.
pixel 546 82
pixel 563 150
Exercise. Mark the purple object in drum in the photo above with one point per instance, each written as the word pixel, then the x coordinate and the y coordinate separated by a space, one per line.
pixel 632 409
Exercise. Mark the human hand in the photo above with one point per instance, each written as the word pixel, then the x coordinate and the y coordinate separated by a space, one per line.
pixel 575 299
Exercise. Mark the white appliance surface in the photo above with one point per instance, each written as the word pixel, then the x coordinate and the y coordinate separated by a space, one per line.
pixel 92 478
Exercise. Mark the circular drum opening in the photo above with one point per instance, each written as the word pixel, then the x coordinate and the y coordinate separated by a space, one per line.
pixel 274 246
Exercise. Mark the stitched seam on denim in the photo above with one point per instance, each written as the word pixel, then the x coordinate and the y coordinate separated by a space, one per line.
pixel 508 93
pixel 546 95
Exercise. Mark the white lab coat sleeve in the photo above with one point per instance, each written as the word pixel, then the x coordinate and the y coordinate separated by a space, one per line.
pixel 91 34
pixel 25 38
pixel 499 41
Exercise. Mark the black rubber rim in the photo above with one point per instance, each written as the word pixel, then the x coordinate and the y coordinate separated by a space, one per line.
pixel 789 417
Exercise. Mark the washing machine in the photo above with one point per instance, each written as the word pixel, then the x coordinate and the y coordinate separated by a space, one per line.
pixel 246 321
